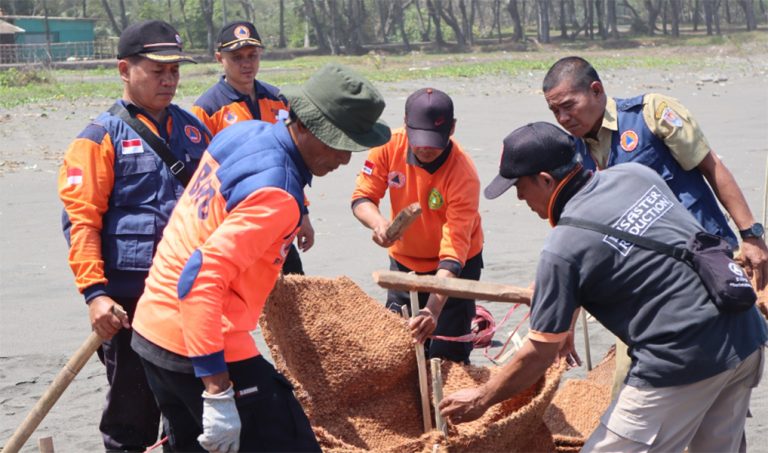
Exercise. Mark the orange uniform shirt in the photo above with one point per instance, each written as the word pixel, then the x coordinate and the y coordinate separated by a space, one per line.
pixel 449 228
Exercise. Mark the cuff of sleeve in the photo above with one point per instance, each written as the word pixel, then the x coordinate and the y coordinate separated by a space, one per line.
pixel 357 201
pixel 450 265
pixel 208 365
pixel 547 337
pixel 92 292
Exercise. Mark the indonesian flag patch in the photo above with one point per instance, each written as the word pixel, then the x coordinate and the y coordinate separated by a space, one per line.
pixel 132 146
pixel 368 167
pixel 74 176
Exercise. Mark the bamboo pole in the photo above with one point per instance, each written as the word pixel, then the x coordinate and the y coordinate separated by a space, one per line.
pixel 587 350
pixel 421 365
pixel 437 394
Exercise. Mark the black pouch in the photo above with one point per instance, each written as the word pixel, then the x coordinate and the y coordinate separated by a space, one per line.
pixel 725 280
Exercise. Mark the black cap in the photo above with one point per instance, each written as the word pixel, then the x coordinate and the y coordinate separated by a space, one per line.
pixel 428 118
pixel 152 39
pixel 238 34
pixel 529 150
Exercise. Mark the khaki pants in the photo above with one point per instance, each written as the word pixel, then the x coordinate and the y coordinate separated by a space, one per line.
pixel 707 415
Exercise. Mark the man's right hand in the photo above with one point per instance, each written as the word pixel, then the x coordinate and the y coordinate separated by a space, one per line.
pixel 103 319
pixel 221 422
pixel 380 235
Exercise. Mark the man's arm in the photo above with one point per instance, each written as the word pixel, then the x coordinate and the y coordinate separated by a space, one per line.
pixel 526 367
pixel 423 324
pixel 369 215
pixel 753 250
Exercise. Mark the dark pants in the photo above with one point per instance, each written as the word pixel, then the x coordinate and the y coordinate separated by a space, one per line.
pixel 292 264
pixel 455 319
pixel 271 417
pixel 131 418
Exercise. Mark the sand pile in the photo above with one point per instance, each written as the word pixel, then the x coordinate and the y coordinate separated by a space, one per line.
pixel 354 370
pixel 576 409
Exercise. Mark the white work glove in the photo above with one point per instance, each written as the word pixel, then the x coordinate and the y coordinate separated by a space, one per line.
pixel 221 423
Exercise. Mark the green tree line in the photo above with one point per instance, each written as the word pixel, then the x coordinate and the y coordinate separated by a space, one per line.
pixel 353 26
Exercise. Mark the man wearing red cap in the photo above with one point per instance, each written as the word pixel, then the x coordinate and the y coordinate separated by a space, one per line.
pixel 119 183
pixel 422 163
pixel 238 96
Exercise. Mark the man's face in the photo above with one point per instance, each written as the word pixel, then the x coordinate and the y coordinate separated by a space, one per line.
pixel 579 111
pixel 241 65
pixel 535 190
pixel 426 154
pixel 150 84
pixel 320 158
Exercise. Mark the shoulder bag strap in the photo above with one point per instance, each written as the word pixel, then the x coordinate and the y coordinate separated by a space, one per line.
pixel 158 146
pixel 678 253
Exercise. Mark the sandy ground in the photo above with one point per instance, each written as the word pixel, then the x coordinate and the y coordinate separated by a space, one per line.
pixel 43 320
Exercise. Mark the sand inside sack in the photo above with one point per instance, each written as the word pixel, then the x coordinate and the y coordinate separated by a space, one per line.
pixel 354 371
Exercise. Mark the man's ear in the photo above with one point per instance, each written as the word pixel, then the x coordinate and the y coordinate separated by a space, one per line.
pixel 453 127
pixel 596 88
pixel 218 56
pixel 123 67
pixel 549 181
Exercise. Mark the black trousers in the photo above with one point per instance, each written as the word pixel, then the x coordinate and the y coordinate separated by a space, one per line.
pixel 271 417
pixel 455 319
pixel 292 264
pixel 130 420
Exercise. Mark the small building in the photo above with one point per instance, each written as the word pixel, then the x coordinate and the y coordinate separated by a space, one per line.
pixel 69 37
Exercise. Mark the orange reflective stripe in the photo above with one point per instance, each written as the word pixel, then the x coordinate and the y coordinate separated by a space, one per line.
pixel 85 182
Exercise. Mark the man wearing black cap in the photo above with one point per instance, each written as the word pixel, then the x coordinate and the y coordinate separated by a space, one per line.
pixel 220 257
pixel 423 164
pixel 693 366
pixel 238 96
pixel 118 189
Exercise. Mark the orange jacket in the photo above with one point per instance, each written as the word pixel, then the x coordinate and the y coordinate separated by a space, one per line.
pixel 224 247
pixel 448 229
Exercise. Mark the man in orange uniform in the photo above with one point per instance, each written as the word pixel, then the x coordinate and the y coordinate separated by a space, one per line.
pixel 118 194
pixel 421 163
pixel 238 96
pixel 218 261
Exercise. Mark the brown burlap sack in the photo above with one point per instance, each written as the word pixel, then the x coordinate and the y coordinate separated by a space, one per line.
pixel 354 368
pixel 576 409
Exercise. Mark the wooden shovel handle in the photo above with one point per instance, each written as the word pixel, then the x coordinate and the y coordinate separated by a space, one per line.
pixel 55 390
pixel 403 220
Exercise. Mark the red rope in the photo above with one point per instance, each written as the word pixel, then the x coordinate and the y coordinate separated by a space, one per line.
pixel 157 444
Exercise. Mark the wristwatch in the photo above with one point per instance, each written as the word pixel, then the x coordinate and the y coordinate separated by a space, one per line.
pixel 755 231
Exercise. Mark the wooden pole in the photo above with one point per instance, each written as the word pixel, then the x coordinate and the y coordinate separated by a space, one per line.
pixel 421 365
pixel 453 287
pixel 437 394
pixel 57 387
pixel 587 351
pixel 403 220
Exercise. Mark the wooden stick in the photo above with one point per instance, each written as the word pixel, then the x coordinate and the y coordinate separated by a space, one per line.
pixel 453 287
pixel 437 394
pixel 421 365
pixel 403 220
pixel 45 444
pixel 57 387
pixel 587 351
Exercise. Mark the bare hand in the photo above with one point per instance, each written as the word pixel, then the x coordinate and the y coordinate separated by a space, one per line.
pixel 754 256
pixel 568 350
pixel 380 236
pixel 104 321
pixel 463 406
pixel 305 238
pixel 422 325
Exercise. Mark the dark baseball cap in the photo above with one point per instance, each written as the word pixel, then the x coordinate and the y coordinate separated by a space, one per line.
pixel 238 34
pixel 428 118
pixel 529 150
pixel 152 39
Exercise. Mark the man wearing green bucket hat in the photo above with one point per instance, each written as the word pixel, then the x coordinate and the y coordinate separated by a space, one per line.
pixel 220 256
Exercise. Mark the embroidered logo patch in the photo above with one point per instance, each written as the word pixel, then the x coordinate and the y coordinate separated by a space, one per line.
pixel 660 109
pixel 230 118
pixel 395 179
pixel 242 32
pixel 628 141
pixel 74 176
pixel 132 146
pixel 639 217
pixel 435 200
pixel 672 118
pixel 193 133
pixel 368 167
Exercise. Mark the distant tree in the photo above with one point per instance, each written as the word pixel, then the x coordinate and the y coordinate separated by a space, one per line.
pixel 108 10
pixel 543 20
pixel 518 33
pixel 206 8
pixel 612 20
pixel 676 8
pixel 749 14
pixel 281 43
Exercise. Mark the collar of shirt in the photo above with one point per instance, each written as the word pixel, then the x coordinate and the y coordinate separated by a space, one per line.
pixel 282 135
pixel 136 110
pixel 235 96
pixel 430 167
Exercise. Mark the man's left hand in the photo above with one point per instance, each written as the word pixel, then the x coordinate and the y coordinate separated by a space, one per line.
pixel 305 238
pixel 754 256
pixel 463 406
pixel 423 325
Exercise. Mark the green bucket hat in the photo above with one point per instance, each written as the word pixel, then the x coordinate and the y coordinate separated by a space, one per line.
pixel 341 108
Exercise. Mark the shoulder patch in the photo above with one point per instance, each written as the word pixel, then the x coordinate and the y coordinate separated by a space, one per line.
pixel 94 132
